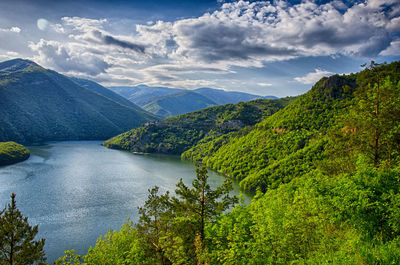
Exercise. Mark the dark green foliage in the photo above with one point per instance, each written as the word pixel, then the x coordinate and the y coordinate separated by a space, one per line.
pixel 41 105
pixel 17 244
pixel 175 226
pixel 177 134
pixel 11 152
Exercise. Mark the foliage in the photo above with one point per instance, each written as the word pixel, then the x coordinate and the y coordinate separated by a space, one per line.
pixel 17 244
pixel 327 199
pixel 11 152
pixel 177 134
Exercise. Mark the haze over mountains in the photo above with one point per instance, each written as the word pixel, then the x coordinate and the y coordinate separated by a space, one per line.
pixel 167 102
pixel 37 105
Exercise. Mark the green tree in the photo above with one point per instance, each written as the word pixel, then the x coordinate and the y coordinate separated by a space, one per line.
pixel 175 225
pixel 17 244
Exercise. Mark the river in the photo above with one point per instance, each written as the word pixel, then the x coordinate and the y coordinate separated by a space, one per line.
pixel 77 191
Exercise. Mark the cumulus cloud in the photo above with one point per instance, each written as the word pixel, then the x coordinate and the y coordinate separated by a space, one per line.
pixel 313 77
pixel 68 58
pixel 241 33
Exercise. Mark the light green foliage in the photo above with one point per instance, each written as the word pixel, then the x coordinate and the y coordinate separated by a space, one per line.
pixel 17 244
pixel 70 258
pixel 11 152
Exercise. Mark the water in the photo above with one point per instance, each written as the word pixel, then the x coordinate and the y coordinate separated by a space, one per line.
pixel 77 191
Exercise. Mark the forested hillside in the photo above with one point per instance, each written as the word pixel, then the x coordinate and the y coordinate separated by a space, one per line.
pixel 177 134
pixel 291 142
pixel 37 104
pixel 329 164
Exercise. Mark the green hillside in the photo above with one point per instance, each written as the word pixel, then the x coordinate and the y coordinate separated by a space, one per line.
pixel 11 153
pixel 95 87
pixel 291 142
pixel 40 105
pixel 176 134
pixel 329 164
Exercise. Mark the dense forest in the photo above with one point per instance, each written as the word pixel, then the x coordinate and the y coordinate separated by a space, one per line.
pixel 177 134
pixel 326 172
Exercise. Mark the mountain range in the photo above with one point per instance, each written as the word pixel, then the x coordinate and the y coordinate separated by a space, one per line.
pixel 167 102
pixel 38 105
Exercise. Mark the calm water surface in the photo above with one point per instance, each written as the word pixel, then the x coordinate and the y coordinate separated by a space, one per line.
pixel 76 191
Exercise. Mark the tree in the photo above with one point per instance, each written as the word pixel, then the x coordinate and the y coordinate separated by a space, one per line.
pixel 17 244
pixel 175 226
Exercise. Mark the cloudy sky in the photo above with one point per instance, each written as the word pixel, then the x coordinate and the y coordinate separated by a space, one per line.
pixel 264 47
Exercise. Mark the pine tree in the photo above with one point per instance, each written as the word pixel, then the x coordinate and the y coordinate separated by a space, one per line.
pixel 175 226
pixel 17 244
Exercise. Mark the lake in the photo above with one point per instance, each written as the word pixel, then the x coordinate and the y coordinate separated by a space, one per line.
pixel 77 191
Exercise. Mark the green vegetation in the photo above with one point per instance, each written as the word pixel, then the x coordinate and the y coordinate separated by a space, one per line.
pixel 293 141
pixel 41 105
pixel 11 153
pixel 17 244
pixel 327 174
pixel 177 134
pixel 330 168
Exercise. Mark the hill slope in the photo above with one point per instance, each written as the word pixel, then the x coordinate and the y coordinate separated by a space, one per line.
pixel 222 97
pixel 99 89
pixel 169 102
pixel 291 142
pixel 176 134
pixel 177 103
pixel 40 105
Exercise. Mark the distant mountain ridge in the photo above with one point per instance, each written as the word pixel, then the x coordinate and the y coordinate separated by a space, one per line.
pixel 167 102
pixel 38 105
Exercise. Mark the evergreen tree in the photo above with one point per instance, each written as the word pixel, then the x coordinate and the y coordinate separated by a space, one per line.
pixel 17 244
pixel 175 226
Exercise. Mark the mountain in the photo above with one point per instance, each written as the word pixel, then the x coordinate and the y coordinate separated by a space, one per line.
pixel 222 97
pixel 37 104
pixel 167 102
pixel 176 103
pixel 137 94
pixel 177 134
pixel 99 89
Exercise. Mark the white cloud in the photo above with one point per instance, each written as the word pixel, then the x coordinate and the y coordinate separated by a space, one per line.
pixel 264 84
pixel 313 77
pixel 12 29
pixel 241 33
pixel 393 49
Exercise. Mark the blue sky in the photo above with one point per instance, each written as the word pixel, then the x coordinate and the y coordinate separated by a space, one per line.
pixel 263 47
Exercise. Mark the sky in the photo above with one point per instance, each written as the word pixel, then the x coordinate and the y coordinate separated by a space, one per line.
pixel 275 48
